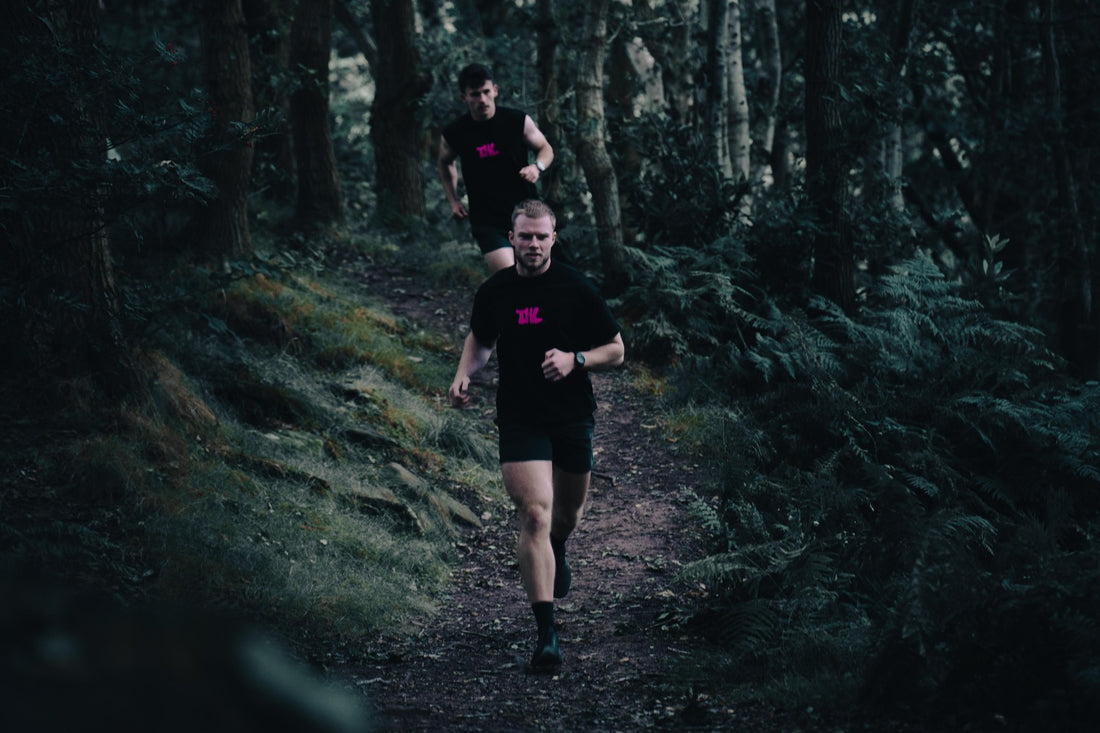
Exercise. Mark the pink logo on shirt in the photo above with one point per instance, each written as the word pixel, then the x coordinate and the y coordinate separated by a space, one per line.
pixel 487 151
pixel 528 316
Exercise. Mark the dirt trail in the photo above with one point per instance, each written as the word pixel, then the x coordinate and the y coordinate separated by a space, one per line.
pixel 464 669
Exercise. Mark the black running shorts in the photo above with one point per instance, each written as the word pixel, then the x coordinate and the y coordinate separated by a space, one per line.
pixel 490 238
pixel 567 446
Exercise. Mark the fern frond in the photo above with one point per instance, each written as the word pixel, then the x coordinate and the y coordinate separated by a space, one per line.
pixel 703 513
pixel 958 528
pixel 750 624
pixel 921 484
pixel 745 567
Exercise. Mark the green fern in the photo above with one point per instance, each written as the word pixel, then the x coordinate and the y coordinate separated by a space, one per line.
pixel 922 460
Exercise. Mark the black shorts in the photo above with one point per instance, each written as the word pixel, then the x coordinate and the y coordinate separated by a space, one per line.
pixel 490 238
pixel 567 446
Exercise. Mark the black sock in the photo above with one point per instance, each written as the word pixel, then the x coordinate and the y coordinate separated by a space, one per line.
pixel 544 614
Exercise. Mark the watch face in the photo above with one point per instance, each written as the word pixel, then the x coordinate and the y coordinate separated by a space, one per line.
pixel 578 357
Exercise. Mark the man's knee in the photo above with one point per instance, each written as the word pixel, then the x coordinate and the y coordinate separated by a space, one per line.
pixel 535 519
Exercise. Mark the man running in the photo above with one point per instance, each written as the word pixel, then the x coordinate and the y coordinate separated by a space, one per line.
pixel 493 143
pixel 550 328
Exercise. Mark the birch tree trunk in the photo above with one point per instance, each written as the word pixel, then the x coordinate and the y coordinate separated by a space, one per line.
pixel 740 137
pixel 775 137
pixel 716 124
pixel 770 79
pixel 592 149
pixel 670 38
pixel 319 198
pixel 887 155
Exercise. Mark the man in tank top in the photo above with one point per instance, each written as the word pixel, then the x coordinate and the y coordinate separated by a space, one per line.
pixel 492 144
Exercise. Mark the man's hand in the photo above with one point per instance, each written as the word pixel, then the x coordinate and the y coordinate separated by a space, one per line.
pixel 529 173
pixel 460 392
pixel 557 365
pixel 458 211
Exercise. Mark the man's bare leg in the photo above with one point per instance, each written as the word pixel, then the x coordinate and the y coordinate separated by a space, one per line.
pixel 498 259
pixel 531 486
pixel 570 492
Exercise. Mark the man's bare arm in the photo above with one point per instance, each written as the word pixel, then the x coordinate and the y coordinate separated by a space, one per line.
pixel 544 154
pixel 448 174
pixel 560 364
pixel 475 355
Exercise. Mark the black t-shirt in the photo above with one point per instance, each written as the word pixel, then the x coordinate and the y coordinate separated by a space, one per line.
pixel 528 316
pixel 492 152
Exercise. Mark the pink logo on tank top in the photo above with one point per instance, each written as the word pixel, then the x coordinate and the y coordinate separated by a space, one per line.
pixel 528 316
pixel 487 151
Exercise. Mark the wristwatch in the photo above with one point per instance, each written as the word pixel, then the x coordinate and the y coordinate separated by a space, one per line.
pixel 539 165
pixel 578 359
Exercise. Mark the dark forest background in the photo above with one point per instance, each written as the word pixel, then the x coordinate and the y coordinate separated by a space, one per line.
pixel 852 244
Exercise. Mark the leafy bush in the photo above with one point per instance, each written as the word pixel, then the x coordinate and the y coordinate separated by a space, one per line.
pixel 679 198
pixel 682 303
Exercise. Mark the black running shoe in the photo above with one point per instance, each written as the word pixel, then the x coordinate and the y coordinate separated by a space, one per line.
pixel 563 576
pixel 547 656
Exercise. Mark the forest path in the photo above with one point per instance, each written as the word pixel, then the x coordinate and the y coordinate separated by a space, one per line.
pixel 464 669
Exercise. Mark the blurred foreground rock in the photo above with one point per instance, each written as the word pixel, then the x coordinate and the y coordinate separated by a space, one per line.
pixel 70 664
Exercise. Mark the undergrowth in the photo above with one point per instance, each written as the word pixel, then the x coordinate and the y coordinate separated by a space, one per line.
pixel 905 506
pixel 294 462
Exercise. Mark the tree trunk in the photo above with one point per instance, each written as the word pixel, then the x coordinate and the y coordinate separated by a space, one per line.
pixel 227 72
pixel 592 150
pixel 643 91
pixel 56 263
pixel 716 126
pixel 1077 337
pixel 826 179
pixel 670 39
pixel 548 37
pixel 740 138
pixel 886 158
pixel 771 75
pixel 269 23
pixel 319 199
pixel 779 157
pixel 396 123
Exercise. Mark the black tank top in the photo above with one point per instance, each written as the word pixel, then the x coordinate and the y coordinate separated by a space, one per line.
pixel 492 151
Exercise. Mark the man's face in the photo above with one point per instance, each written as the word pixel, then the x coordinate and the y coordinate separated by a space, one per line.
pixel 532 240
pixel 481 101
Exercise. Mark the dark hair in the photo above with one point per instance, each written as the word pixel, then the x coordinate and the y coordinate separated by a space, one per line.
pixel 534 209
pixel 473 76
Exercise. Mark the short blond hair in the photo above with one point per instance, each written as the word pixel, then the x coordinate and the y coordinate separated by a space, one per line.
pixel 534 209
